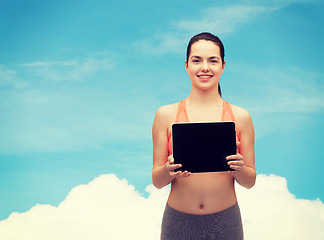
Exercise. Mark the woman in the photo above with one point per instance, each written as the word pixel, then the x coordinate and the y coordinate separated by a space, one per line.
pixel 203 205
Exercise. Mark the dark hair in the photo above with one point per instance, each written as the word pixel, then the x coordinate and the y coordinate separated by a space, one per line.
pixel 207 37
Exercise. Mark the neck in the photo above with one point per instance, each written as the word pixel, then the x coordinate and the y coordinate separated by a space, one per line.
pixel 200 97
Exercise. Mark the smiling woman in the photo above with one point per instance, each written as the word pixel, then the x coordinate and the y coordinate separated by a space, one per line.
pixel 214 60
pixel 203 205
pixel 206 65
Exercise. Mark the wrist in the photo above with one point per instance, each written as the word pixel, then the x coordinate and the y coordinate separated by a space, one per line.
pixel 168 172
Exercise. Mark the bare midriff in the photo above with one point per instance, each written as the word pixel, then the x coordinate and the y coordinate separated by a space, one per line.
pixel 203 193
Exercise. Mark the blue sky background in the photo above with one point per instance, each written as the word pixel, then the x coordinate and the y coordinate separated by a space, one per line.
pixel 80 82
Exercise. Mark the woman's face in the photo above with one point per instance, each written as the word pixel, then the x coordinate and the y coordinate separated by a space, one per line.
pixel 205 65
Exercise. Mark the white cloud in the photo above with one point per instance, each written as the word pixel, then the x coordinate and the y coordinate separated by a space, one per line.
pixel 71 69
pixel 270 211
pixel 162 44
pixel 221 20
pixel 286 89
pixel 277 97
pixel 106 208
pixel 110 208
pixel 53 117
pixel 6 74
pixel 71 63
pixel 53 120
pixel 275 4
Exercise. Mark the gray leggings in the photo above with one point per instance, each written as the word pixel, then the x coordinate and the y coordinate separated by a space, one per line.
pixel 223 225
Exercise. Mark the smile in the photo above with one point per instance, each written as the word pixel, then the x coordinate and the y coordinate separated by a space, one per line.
pixel 205 76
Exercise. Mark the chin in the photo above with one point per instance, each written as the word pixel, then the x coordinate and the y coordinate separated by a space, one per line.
pixel 206 86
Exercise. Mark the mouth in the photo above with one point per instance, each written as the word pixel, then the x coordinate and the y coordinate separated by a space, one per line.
pixel 205 77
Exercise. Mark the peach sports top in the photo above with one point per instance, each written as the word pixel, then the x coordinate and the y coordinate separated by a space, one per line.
pixel 182 116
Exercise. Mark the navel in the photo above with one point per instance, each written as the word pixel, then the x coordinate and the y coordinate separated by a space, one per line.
pixel 201 206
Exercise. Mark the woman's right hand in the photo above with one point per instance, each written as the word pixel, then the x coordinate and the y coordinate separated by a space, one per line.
pixel 170 167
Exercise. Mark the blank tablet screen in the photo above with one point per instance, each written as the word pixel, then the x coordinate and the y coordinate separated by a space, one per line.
pixel 203 147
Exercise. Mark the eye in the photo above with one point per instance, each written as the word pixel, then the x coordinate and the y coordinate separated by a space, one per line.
pixel 195 60
pixel 214 61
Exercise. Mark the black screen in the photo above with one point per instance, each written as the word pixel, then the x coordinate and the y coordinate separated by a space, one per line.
pixel 203 147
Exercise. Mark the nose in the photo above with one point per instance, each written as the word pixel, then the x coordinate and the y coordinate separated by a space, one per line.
pixel 204 66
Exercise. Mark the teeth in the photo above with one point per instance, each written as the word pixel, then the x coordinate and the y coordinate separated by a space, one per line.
pixel 205 77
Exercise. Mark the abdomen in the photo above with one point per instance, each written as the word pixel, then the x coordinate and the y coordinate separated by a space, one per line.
pixel 203 193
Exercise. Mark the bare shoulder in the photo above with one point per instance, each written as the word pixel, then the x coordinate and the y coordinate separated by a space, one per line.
pixel 242 116
pixel 167 110
pixel 166 114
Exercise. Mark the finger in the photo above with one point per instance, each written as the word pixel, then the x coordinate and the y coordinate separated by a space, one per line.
pixel 235 168
pixel 176 174
pixel 170 159
pixel 182 174
pixel 185 174
pixel 173 167
pixel 237 163
pixel 234 157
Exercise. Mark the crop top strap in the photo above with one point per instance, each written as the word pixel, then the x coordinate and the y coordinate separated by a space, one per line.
pixel 180 117
pixel 181 112
pixel 228 115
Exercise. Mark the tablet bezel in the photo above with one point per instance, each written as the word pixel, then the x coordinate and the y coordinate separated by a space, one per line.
pixel 204 134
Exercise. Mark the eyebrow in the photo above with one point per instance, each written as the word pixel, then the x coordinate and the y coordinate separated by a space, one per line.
pixel 213 57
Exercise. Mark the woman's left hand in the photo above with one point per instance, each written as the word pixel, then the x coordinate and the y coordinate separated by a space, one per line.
pixel 235 162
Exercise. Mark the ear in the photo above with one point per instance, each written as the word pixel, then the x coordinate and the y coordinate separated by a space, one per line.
pixel 186 66
pixel 223 66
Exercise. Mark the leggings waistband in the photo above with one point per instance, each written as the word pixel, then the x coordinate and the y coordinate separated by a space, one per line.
pixel 232 208
pixel 222 225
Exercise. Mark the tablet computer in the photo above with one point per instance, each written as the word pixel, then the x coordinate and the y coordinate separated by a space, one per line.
pixel 203 147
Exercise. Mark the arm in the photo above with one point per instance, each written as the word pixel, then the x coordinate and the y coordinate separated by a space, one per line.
pixel 244 162
pixel 163 167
